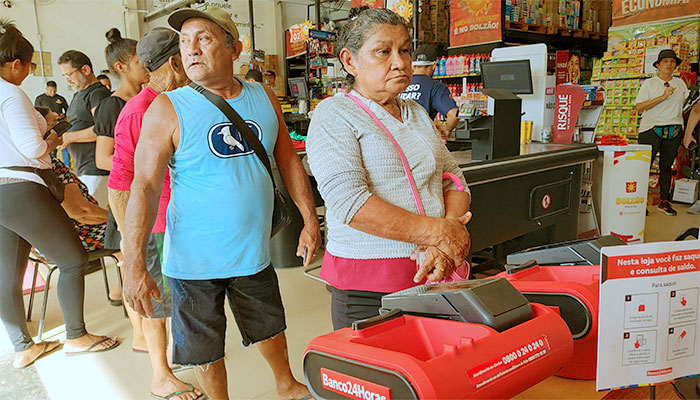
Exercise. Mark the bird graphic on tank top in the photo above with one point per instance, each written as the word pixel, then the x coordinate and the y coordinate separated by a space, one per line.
pixel 230 140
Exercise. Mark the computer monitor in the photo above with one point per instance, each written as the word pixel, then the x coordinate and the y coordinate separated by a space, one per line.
pixel 298 89
pixel 513 76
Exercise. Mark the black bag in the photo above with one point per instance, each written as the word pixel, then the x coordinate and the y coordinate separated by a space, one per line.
pixel 53 182
pixel 281 214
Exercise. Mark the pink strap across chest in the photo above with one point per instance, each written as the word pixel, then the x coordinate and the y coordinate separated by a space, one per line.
pixel 404 161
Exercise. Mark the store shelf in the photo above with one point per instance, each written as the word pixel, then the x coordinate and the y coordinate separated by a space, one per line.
pixel 621 107
pixel 594 103
pixel 596 45
pixel 456 76
pixel 622 56
pixel 617 77
pixel 522 27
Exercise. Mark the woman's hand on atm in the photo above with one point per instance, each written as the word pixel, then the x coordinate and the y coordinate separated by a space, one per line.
pixel 452 237
pixel 436 265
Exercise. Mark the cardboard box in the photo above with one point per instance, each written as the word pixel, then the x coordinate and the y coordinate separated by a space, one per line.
pixel 653 198
pixel 685 191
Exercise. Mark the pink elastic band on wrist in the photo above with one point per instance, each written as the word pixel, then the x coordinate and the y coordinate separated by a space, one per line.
pixel 455 179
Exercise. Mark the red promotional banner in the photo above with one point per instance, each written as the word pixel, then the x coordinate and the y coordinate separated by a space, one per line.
pixel 294 48
pixel 568 102
pixel 475 22
pixel 370 3
pixel 629 12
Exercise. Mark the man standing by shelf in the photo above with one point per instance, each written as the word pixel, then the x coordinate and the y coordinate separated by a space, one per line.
pixel 429 93
pixel 76 67
pixel 52 100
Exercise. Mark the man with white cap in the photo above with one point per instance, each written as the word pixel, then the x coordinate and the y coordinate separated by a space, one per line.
pixel 159 52
pixel 220 213
pixel 429 93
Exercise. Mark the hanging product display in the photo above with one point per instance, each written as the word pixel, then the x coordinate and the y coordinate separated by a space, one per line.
pixel 296 37
pixel 369 3
pixel 402 7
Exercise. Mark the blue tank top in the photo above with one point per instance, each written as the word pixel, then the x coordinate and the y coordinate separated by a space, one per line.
pixel 220 211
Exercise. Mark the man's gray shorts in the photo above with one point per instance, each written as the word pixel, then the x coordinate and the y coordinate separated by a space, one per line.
pixel 161 309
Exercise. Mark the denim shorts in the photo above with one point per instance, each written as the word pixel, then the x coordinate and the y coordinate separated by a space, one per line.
pixel 199 323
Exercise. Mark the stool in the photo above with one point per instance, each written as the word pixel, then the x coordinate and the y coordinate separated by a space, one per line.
pixel 92 255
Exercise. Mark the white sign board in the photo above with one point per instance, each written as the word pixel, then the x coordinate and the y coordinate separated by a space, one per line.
pixel 648 322
pixel 623 202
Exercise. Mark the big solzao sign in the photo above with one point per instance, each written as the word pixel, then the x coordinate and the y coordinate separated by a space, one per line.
pixel 475 22
pixel 628 12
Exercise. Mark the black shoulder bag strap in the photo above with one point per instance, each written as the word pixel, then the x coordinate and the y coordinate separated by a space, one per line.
pixel 240 125
pixel 281 215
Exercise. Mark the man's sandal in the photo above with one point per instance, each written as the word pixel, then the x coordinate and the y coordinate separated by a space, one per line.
pixel 190 389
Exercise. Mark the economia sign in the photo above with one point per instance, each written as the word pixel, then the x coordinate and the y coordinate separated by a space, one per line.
pixel 628 12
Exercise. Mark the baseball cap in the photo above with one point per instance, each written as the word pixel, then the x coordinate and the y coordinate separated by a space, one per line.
pixel 157 46
pixel 213 14
pixel 425 55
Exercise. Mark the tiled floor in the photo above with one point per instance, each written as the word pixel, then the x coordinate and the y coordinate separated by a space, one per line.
pixel 122 374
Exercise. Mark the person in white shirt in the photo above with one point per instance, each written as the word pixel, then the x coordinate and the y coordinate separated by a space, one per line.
pixel 660 100
pixel 31 214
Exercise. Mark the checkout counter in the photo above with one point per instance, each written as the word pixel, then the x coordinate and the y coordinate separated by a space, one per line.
pixel 526 200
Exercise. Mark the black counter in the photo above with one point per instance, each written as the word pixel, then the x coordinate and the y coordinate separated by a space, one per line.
pixel 508 194
pixel 528 200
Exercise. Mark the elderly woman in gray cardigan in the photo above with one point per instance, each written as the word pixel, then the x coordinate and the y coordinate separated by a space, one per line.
pixel 374 227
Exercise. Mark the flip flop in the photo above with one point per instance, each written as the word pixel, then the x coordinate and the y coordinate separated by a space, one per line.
pixel 44 352
pixel 135 350
pixel 115 303
pixel 190 389
pixel 92 346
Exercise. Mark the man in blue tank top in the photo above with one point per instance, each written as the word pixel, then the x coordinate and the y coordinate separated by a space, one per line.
pixel 220 213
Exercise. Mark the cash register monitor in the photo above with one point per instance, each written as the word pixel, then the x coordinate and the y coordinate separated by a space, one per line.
pixel 513 76
pixel 298 89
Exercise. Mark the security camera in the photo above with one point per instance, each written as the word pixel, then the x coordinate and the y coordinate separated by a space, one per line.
pixel 7 3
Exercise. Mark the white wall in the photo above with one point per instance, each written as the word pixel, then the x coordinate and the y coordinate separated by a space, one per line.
pixel 82 24
pixel 268 25
pixel 66 25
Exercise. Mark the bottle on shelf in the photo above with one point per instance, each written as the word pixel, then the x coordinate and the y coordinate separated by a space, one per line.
pixel 441 66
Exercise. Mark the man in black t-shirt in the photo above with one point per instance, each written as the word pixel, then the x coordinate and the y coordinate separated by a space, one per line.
pixel 52 100
pixel 80 138
pixel 431 94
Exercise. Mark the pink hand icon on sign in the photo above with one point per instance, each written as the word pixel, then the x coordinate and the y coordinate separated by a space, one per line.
pixel 636 344
pixel 641 307
pixel 683 301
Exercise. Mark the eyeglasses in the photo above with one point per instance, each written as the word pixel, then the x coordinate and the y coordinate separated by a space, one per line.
pixel 70 73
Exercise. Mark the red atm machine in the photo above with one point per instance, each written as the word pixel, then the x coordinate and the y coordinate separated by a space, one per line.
pixel 478 339
pixel 566 276
pixel 574 290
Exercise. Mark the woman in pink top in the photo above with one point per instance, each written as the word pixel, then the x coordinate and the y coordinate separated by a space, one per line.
pixel 158 50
